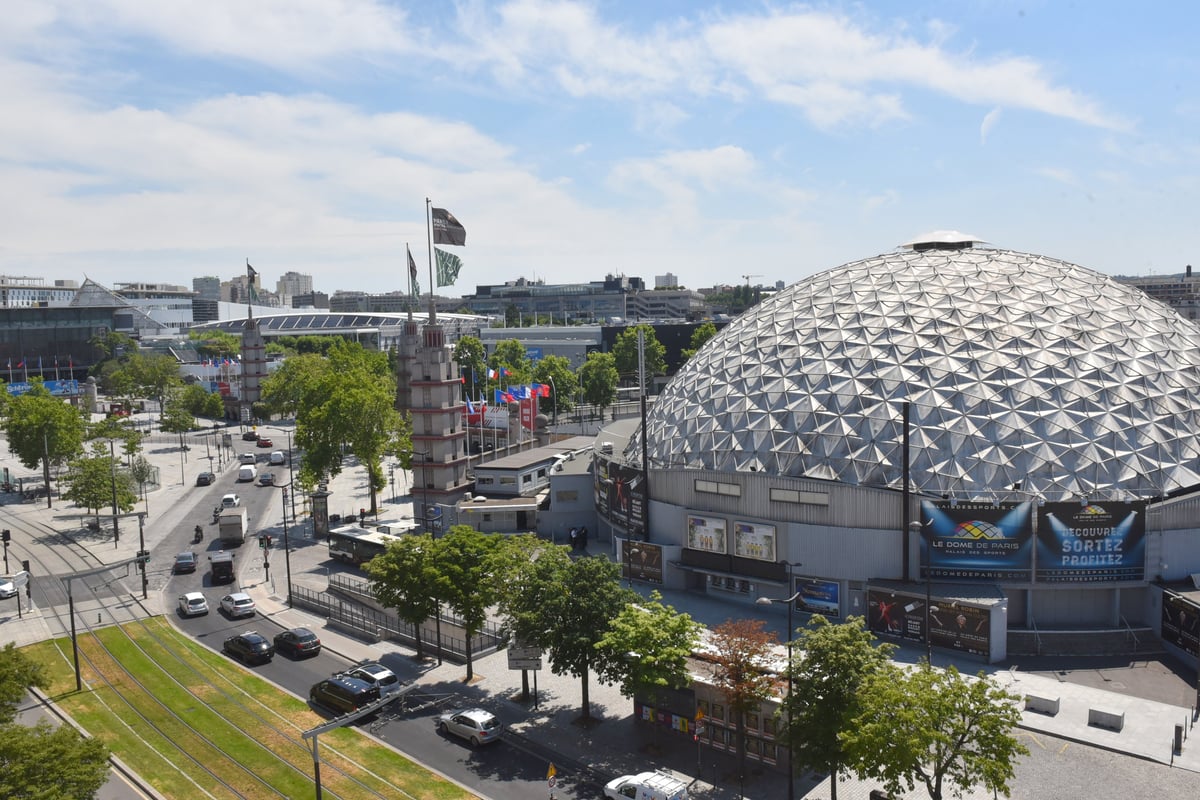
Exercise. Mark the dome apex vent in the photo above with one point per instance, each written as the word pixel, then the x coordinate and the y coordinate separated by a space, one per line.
pixel 942 240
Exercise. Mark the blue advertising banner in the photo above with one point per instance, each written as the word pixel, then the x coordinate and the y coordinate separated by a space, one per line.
pixel 1091 543
pixel 818 597
pixel 56 388
pixel 977 541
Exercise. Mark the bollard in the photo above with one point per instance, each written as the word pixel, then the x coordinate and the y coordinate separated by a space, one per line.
pixel 1178 739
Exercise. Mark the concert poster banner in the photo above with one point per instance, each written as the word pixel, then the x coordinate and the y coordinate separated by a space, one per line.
pixel 977 541
pixel 958 627
pixel 818 597
pixel 620 496
pixel 1090 543
pixel 1181 623
pixel 642 561
pixel 754 540
pixel 895 615
pixel 706 533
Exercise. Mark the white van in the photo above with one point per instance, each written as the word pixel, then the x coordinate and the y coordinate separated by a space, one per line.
pixel 247 458
pixel 647 786
pixel 247 472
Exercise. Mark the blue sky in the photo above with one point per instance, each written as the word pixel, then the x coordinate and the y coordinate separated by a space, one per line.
pixel 159 141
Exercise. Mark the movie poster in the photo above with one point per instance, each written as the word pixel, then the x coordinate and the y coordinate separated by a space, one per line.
pixel 642 561
pixel 706 533
pixel 620 496
pixel 959 627
pixel 895 615
pixel 753 540
pixel 1181 623
pixel 818 597
pixel 1091 543
pixel 977 541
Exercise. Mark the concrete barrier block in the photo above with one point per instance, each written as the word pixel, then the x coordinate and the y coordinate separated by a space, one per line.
pixel 1042 704
pixel 1111 720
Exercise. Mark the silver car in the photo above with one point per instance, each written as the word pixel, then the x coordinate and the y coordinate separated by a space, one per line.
pixel 238 604
pixel 192 604
pixel 473 724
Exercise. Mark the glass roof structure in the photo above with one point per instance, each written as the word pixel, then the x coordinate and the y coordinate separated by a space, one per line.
pixel 1026 377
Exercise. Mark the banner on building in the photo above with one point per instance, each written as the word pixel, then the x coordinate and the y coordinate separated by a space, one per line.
pixel 977 541
pixel 1181 623
pixel 1091 543
pixel 895 614
pixel 957 627
pixel 641 561
pixel 754 540
pixel 818 597
pixel 706 533
pixel 620 496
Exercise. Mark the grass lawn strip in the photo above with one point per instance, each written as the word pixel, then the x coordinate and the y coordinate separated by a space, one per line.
pixel 248 753
pixel 161 670
pixel 104 715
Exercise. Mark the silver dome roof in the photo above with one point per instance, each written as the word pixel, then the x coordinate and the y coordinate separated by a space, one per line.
pixel 1019 369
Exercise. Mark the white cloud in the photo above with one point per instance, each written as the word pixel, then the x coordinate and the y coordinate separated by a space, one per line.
pixel 990 121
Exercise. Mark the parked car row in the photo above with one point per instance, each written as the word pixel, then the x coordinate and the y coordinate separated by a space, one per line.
pixel 361 685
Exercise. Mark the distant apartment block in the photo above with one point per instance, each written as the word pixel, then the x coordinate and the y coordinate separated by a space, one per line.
pixel 668 281
pixel 207 287
pixel 27 292
pixel 1180 291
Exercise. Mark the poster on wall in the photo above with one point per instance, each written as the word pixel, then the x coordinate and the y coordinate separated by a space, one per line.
pixel 959 627
pixel 1090 543
pixel 1181 623
pixel 620 496
pixel 977 541
pixel 897 616
pixel 641 561
pixel 706 533
pixel 754 540
pixel 818 597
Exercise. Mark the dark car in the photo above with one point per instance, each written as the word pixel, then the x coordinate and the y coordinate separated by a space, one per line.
pixel 250 436
pixel 342 694
pixel 250 647
pixel 265 442
pixel 205 479
pixel 185 562
pixel 297 642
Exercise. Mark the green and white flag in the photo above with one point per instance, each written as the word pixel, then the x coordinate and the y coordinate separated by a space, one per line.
pixel 412 274
pixel 448 266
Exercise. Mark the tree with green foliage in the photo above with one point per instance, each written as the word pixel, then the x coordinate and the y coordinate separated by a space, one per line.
pixel 200 402
pixel 407 579
pixel 700 335
pixel 176 418
pixel 118 429
pixel 155 375
pixel 471 357
pixel 465 561
pixel 50 763
pixel 90 480
pixel 739 665
pixel 283 390
pixel 555 372
pixel 42 428
pixel 827 674
pixel 625 353
pixel 599 378
pixel 113 345
pixel 17 673
pixel 934 727
pixel 526 569
pixel 141 471
pixel 510 355
pixel 646 648
pixel 212 343
pixel 577 613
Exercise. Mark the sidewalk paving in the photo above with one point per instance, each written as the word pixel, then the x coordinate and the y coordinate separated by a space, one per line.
pixel 616 744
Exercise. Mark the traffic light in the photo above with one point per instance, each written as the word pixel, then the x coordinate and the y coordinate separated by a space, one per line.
pixel 143 556
pixel 25 565
pixel 268 540
pixel 6 536
pixel 262 541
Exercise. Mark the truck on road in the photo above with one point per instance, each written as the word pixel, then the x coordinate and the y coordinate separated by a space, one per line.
pixel 232 525
pixel 222 566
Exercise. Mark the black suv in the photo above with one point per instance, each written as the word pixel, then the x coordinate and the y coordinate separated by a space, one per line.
pixel 342 694
pixel 250 647
pixel 250 436
pixel 297 642
pixel 205 479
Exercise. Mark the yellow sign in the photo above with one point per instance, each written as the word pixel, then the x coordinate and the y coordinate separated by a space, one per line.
pixel 699 715
pixel 551 772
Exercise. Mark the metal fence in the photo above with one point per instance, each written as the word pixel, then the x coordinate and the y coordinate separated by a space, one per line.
pixel 375 624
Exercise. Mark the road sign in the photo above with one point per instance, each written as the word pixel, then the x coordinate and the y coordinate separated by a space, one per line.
pixel 524 657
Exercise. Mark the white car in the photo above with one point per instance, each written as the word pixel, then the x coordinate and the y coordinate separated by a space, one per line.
pixel 192 604
pixel 473 724
pixel 7 588
pixel 376 674
pixel 277 458
pixel 230 501
pixel 238 604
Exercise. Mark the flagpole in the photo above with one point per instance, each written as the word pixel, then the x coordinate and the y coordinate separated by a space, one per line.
pixel 429 237
pixel 412 299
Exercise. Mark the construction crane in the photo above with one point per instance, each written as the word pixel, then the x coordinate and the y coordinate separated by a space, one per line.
pixel 748 277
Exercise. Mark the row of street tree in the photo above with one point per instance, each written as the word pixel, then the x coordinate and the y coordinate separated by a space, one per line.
pixel 850 709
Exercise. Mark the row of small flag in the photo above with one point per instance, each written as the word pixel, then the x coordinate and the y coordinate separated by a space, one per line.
pixel 21 363
pixel 512 394
pixel 219 362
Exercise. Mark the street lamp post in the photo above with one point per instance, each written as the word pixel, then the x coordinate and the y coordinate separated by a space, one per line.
pixel 112 474
pixel 791 602
pixel 919 529
pixel 287 547
pixel 554 403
